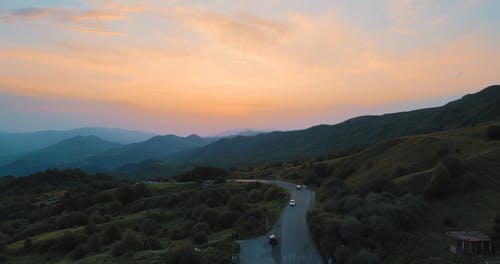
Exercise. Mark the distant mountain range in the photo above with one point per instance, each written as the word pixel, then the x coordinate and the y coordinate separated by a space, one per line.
pixel 165 154
pixel 58 155
pixel 360 131
pixel 94 154
pixel 156 148
pixel 246 132
pixel 18 143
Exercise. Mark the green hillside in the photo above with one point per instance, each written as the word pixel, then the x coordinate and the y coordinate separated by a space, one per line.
pixel 67 216
pixel 403 194
pixel 361 131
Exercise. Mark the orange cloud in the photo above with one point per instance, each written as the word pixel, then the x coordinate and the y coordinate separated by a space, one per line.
pixel 244 66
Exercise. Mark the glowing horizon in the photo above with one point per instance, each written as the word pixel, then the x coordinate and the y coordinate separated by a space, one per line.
pixel 190 67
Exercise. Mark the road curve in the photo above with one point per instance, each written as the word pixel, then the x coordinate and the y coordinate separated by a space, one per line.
pixel 295 243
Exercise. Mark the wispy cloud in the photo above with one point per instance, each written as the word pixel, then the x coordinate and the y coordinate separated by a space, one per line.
pixel 246 32
pixel 89 21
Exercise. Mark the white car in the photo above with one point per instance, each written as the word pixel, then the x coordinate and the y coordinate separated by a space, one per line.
pixel 299 187
pixel 292 203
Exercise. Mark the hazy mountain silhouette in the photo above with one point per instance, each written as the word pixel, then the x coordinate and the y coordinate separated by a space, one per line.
pixel 18 143
pixel 57 155
pixel 277 146
pixel 155 148
pixel 271 147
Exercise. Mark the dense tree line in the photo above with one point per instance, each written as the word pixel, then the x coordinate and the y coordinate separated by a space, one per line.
pixel 121 217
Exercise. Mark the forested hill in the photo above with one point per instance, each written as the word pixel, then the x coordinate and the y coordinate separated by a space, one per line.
pixel 318 140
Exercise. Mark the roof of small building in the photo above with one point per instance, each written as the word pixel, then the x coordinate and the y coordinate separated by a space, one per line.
pixel 473 236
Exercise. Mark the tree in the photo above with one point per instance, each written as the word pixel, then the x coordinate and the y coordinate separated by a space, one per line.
pixel 322 170
pixel 365 257
pixel 149 226
pixel 493 132
pixel 126 194
pixel 237 203
pixel 200 238
pixel 183 255
pixel 70 240
pixel 3 242
pixel 94 243
pixel 219 180
pixel 342 254
pixel 210 216
pixel 111 234
pixel 79 252
pixel 350 229
pixel 129 243
pixel 440 182
pixel 90 228
pixel 200 227
pixel 496 227
pixel 28 245
pixel 152 243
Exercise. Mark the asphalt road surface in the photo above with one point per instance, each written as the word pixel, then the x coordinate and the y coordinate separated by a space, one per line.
pixel 295 245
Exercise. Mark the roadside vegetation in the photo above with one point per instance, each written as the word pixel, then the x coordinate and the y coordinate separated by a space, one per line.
pixel 61 216
pixel 394 201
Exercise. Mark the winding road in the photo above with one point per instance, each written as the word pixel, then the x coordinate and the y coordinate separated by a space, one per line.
pixel 295 244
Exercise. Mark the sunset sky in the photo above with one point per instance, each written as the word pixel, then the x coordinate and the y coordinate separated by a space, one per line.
pixel 207 66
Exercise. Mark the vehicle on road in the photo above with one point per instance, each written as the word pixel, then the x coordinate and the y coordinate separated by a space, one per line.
pixel 292 203
pixel 273 241
pixel 299 187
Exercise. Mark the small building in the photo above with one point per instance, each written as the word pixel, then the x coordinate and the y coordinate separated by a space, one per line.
pixel 470 242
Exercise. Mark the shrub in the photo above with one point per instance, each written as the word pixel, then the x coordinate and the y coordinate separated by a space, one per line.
pixel 493 132
pixel 200 238
pixel 322 170
pixel 274 193
pixel 350 229
pixel 219 180
pixel 129 243
pixel 496 227
pixel 200 227
pixel 442 152
pixel 79 252
pixel 365 257
pixel 342 254
pixel 72 219
pixel 440 182
pixel 448 221
pixel 237 203
pixel 255 196
pixel 228 219
pixel 400 171
pixel 111 234
pixel 210 216
pixel 149 226
pixel 454 166
pixel 94 243
pixel 470 181
pixel 70 240
pixel 90 228
pixel 3 242
pixel 48 245
pixel 377 185
pixel 177 233
pixel 381 229
pixel 183 255
pixel 28 245
pixel 351 203
pixel 152 243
